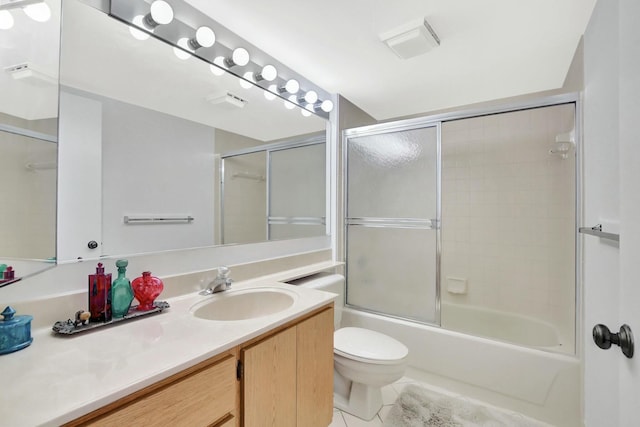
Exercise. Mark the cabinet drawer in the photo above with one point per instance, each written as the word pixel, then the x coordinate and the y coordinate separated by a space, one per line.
pixel 199 399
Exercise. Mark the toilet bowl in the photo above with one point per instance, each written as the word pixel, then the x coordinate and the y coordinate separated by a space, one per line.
pixel 364 360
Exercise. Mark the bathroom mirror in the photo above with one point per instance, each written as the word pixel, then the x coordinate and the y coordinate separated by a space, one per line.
pixel 142 135
pixel 29 46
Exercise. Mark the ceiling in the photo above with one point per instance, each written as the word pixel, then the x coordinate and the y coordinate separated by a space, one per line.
pixel 489 49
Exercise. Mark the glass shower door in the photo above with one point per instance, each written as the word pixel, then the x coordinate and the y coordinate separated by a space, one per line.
pixel 392 223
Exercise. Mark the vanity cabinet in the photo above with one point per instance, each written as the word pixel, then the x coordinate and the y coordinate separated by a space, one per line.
pixel 285 378
pixel 288 376
pixel 203 395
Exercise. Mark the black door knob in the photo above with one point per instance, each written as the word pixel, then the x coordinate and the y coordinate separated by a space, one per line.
pixel 92 244
pixel 603 338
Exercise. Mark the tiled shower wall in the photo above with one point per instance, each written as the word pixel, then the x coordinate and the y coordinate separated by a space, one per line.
pixel 508 215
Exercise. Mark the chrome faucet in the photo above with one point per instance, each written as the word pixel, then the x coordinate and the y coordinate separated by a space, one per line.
pixel 222 282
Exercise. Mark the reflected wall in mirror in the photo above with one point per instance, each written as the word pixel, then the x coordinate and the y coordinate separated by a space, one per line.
pixel 142 133
pixel 28 134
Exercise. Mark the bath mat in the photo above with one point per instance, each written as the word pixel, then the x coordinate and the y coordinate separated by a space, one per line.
pixel 419 407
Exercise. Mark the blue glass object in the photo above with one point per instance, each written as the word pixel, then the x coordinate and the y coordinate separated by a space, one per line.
pixel 15 332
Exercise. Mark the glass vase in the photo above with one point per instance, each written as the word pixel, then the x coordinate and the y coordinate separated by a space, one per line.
pixel 146 289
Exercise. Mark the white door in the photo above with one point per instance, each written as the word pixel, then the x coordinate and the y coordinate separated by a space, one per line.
pixel 612 191
pixel 629 370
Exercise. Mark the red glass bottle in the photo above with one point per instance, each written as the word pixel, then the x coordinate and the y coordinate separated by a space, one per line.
pixel 100 295
pixel 146 289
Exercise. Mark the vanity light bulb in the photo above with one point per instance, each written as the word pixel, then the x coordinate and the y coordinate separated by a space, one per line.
pixel 305 112
pixel 215 70
pixel 39 12
pixel 240 56
pixel 219 70
pixel 6 20
pixel 205 37
pixel 292 86
pixel 184 44
pixel 138 34
pixel 326 106
pixel 311 97
pixel 161 12
pixel 269 73
pixel 270 93
pixel 290 103
pixel 247 79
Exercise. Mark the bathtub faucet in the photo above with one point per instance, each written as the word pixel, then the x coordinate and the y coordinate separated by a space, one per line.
pixel 222 282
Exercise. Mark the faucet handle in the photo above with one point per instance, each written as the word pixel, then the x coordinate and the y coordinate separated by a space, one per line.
pixel 223 272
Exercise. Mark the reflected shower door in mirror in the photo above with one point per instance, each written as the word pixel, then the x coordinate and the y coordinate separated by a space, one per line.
pixel 28 135
pixel 142 132
pixel 275 192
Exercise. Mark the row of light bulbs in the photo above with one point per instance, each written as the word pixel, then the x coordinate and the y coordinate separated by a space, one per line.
pixel 161 13
pixel 38 11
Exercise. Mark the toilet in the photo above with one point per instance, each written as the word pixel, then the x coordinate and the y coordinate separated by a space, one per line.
pixel 364 360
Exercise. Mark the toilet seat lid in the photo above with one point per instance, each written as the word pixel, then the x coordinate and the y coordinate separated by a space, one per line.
pixel 368 345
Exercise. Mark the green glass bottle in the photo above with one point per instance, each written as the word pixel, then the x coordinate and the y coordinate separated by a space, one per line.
pixel 121 291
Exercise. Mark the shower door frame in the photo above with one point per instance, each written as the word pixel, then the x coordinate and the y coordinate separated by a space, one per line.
pixel 574 98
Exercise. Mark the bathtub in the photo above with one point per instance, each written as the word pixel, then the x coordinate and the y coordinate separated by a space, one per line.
pixel 541 384
pixel 509 327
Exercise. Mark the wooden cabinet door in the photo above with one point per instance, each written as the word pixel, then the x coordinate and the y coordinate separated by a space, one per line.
pixel 200 397
pixel 269 383
pixel 315 370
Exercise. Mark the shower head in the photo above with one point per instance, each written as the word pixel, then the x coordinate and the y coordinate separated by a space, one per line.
pixel 563 145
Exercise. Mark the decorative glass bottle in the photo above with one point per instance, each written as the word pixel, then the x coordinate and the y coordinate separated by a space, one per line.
pixel 121 291
pixel 146 289
pixel 100 295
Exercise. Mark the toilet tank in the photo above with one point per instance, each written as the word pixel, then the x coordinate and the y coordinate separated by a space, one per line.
pixel 327 282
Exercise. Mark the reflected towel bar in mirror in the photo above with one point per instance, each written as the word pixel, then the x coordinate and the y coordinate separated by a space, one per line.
pixel 128 219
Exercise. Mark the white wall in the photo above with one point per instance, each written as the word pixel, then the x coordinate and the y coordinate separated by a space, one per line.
pixel 160 165
pixel 118 159
pixel 508 215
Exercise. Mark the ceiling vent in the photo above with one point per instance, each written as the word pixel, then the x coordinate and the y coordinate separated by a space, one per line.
pixel 26 72
pixel 411 39
pixel 227 99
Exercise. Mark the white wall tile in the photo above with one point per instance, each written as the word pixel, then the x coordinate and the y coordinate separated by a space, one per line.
pixel 515 214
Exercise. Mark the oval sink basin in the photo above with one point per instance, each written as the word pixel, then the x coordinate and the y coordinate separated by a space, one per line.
pixel 244 304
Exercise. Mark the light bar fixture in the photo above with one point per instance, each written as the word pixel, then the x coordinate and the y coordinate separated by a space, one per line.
pixel 192 33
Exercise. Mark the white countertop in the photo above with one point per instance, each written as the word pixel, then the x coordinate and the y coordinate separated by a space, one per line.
pixel 59 378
